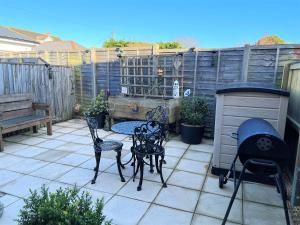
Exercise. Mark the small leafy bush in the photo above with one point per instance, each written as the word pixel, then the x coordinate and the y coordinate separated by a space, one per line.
pixel 194 110
pixel 99 105
pixel 63 207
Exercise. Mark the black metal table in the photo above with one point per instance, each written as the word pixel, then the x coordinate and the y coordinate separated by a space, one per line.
pixel 127 128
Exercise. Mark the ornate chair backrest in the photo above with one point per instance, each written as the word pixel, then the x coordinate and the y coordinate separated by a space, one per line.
pixel 149 136
pixel 158 114
pixel 93 125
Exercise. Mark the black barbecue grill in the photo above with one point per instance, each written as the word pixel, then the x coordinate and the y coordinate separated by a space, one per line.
pixel 263 153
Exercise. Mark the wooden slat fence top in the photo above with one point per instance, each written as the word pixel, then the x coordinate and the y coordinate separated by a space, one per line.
pixel 15 97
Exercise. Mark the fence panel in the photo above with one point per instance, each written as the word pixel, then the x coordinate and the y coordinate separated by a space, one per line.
pixel 55 86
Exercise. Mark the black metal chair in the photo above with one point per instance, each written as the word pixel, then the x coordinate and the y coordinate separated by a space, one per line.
pixel 148 142
pixel 100 145
pixel 158 114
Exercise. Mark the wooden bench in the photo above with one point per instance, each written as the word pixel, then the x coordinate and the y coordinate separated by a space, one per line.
pixel 17 111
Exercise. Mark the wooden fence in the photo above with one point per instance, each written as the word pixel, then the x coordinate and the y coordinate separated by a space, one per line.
pixel 48 84
pixel 204 69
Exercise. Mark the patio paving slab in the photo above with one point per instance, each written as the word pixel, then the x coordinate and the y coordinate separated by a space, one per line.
pixel 106 182
pixel 73 159
pixel 8 160
pixel 192 166
pixel 211 185
pixel 20 187
pixel 255 213
pixel 160 215
pixel 77 176
pixel 125 211
pixel 178 197
pixel 32 141
pixel 51 144
pixel 202 148
pixel 30 151
pixel 11 212
pixel 205 220
pixel 52 171
pixel 8 176
pixel 173 151
pixel 51 155
pixel 262 194
pixel 27 165
pixel 148 193
pixel 97 195
pixel 7 200
pixel 187 179
pixel 11 147
pixel 171 162
pixel 197 156
pixel 66 130
pixel 177 144
pixel 215 206
pixel 105 163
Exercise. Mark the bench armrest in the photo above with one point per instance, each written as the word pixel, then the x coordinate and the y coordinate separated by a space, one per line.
pixel 42 106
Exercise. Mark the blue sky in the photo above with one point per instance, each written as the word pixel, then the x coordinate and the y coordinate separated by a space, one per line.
pixel 210 23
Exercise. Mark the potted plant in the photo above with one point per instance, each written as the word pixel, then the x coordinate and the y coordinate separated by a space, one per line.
pixel 193 113
pixel 98 109
pixel 65 206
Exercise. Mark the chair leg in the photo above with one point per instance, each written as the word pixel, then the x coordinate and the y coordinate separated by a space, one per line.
pixel 119 164
pixel 160 171
pixel 35 129
pixel 234 193
pixel 96 169
pixel 151 164
pixel 282 190
pixel 156 163
pixel 141 164
pixel 133 166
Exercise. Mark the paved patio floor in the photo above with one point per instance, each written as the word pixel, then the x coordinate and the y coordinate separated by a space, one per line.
pixel 192 196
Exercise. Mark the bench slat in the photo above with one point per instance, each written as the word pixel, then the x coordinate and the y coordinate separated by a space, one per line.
pixel 15 97
pixel 10 106
pixel 17 113
pixel 22 120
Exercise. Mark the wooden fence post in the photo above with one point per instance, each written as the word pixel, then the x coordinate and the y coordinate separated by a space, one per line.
pixel 245 63
pixel 195 72
pixel 276 64
pixel 93 68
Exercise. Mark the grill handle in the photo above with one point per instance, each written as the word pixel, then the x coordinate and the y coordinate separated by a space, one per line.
pixel 234 135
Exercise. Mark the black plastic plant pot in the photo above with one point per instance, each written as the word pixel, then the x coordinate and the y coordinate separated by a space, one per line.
pixel 191 134
pixel 100 119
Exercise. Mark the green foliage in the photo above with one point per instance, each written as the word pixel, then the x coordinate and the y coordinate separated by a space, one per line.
pixel 113 43
pixel 194 110
pixel 99 105
pixel 271 40
pixel 169 45
pixel 63 207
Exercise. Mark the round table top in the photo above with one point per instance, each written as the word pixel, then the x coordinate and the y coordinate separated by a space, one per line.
pixel 127 127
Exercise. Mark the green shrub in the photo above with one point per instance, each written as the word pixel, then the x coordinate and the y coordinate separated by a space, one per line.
pixel 63 207
pixel 99 105
pixel 194 110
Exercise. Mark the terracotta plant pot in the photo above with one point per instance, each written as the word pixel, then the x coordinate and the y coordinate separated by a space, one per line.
pixel 191 134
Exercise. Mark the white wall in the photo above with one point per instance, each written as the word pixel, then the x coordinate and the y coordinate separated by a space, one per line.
pixel 17 46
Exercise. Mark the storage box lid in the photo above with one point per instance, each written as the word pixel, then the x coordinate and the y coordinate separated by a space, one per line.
pixel 251 87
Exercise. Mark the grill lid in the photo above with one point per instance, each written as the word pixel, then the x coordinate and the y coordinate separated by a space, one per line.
pixel 257 138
